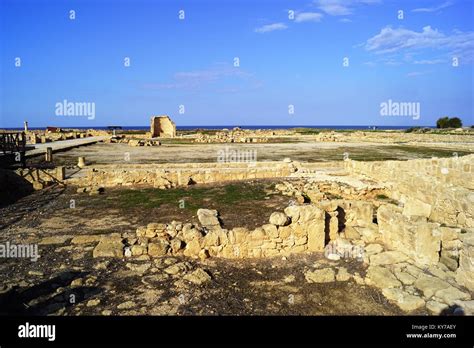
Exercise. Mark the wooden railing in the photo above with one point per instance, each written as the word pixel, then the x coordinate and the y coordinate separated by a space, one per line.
pixel 12 147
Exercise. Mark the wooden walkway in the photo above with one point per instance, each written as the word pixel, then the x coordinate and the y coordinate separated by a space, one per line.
pixel 62 145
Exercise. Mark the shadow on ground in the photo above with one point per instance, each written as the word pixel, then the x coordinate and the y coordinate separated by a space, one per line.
pixel 47 297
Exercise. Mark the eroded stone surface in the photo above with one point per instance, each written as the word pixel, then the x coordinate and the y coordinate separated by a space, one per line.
pixel 382 277
pixel 324 275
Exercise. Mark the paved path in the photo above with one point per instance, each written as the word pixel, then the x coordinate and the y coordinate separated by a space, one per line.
pixel 63 145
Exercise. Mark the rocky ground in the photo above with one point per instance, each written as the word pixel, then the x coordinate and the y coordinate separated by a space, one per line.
pixel 68 280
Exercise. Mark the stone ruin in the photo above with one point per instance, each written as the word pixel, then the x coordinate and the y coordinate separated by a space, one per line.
pixel 143 142
pixel 406 257
pixel 417 253
pixel 162 126
pixel 236 136
pixel 55 134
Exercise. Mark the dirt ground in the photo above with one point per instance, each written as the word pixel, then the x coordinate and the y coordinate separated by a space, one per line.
pixel 66 280
pixel 102 153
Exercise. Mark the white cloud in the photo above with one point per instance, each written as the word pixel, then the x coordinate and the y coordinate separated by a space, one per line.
pixel 271 27
pixel 391 40
pixel 392 62
pixel 417 73
pixel 342 7
pixel 196 79
pixel 345 20
pixel 434 8
pixel 308 17
pixel 429 61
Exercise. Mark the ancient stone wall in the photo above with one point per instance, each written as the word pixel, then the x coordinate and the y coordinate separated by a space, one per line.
pixel 405 256
pixel 162 126
pixel 416 237
pixel 390 137
pixel 300 228
pixel 39 178
pixel 41 136
pixel 172 175
pixel 440 189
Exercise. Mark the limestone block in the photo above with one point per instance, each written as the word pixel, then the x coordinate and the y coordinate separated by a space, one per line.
pixel 176 245
pixel 158 227
pixel 108 248
pixel 310 213
pixel 449 234
pixel 370 233
pixel 284 232
pixel 429 285
pixel 293 211
pixel 198 277
pixel 270 230
pixel 86 239
pixel 357 213
pixel 387 258
pixel 435 307
pixel 381 277
pixel 404 277
pixel 279 219
pixel 350 232
pixel 449 262
pixel 141 231
pixel 208 218
pixel 418 239
pixel 299 230
pixel 270 252
pixel 210 239
pixel 415 207
pixel 402 299
pixel 342 275
pixel 316 235
pixel 257 235
pixel 138 250
pixel 301 240
pixel 192 248
pixel 191 234
pixel 465 272
pixel 254 244
pixel 158 248
pixel 238 235
pixel 372 249
pixel 333 225
pixel 451 295
pixel 325 275
pixel 150 233
pixel 255 252
pixel 328 206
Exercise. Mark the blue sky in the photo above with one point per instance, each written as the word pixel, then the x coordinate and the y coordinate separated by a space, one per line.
pixel 284 61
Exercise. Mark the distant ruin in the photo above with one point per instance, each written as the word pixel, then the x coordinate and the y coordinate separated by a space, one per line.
pixel 162 126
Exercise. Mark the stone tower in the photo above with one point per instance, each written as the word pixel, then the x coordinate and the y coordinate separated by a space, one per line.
pixel 162 126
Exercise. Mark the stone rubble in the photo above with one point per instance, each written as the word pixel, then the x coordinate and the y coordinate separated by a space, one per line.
pixel 403 267
pixel 416 255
